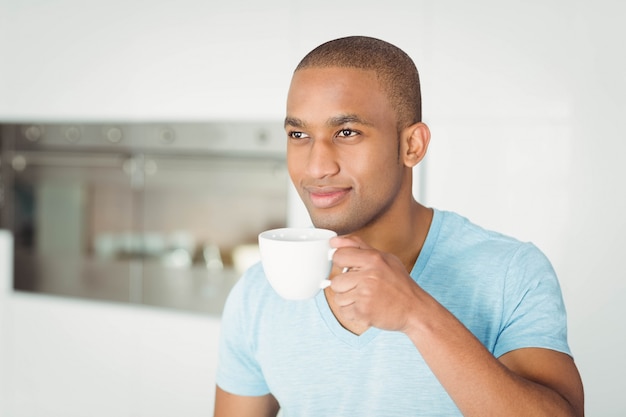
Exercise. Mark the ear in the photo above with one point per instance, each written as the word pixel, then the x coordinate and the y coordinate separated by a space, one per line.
pixel 415 140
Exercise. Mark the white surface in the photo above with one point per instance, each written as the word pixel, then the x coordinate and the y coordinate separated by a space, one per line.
pixel 129 60
pixel 72 358
pixel 6 272
pixel 525 101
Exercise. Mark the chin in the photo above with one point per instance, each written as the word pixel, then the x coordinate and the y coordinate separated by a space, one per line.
pixel 340 227
pixel 342 220
pixel 324 224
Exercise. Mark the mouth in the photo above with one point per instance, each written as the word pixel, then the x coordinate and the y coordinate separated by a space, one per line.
pixel 326 197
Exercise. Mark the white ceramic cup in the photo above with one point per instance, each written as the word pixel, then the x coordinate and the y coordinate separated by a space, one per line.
pixel 297 261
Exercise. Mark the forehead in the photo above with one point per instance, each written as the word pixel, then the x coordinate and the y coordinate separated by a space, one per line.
pixel 325 92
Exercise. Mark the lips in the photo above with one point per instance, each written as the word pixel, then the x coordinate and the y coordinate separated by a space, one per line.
pixel 326 197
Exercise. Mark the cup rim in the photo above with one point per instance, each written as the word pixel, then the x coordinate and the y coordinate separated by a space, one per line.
pixel 297 234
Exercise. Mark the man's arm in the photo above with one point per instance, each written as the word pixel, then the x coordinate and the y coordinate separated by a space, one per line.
pixel 230 405
pixel 551 369
pixel 525 382
pixel 377 291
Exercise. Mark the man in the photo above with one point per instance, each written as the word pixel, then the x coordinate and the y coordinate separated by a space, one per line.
pixel 434 316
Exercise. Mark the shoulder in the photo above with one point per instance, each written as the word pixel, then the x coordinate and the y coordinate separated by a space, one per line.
pixel 247 295
pixel 489 257
pixel 461 236
pixel 251 282
pixel 495 279
pixel 462 231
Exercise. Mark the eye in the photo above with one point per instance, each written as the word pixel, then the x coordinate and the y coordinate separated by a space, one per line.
pixel 348 136
pixel 297 135
pixel 347 133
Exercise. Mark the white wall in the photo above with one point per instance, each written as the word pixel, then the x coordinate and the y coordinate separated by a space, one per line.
pixel 525 100
pixel 527 104
pixel 134 60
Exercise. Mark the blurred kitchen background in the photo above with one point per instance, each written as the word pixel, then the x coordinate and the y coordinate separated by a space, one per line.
pixel 141 152
pixel 158 214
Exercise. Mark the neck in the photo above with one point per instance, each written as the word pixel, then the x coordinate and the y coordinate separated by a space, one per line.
pixel 402 234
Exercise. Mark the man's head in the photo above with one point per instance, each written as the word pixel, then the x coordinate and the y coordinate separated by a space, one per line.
pixel 353 135
pixel 394 69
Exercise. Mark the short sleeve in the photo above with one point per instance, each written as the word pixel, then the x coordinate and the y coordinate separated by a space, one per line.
pixel 534 313
pixel 238 372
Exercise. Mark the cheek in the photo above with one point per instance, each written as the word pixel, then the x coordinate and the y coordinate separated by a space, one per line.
pixel 373 164
pixel 378 178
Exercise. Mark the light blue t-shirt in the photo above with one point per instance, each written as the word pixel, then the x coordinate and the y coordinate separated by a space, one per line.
pixel 504 291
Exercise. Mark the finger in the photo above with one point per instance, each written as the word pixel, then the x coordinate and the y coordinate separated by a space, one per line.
pixel 344 303
pixel 348 241
pixel 344 283
pixel 357 259
pixel 342 261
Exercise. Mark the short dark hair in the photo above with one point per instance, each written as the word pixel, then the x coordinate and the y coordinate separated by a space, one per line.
pixel 395 70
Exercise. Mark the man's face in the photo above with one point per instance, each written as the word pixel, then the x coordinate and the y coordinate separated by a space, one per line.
pixel 342 151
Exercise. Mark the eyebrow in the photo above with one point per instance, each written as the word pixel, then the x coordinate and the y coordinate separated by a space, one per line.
pixel 333 121
pixel 347 118
pixel 293 121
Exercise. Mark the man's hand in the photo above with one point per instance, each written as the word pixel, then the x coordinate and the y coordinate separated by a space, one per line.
pixel 375 289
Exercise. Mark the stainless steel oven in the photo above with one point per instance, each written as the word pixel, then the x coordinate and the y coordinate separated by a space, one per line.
pixel 158 214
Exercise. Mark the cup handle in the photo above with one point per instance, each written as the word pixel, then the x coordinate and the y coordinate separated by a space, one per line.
pixel 326 283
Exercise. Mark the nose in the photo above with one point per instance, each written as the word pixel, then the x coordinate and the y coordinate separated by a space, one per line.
pixel 322 159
